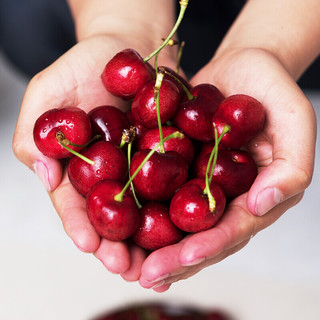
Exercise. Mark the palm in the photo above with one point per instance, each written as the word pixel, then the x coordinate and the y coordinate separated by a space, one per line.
pixel 276 151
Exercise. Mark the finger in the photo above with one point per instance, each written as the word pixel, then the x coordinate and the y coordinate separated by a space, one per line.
pixel 137 257
pixel 71 208
pixel 291 130
pixel 114 255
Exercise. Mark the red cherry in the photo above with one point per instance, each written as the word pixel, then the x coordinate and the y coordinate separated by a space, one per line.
pixel 113 220
pixel 234 172
pixel 126 73
pixel 194 116
pixel 182 146
pixel 74 125
pixel 189 207
pixel 144 108
pixel 109 163
pixel 160 176
pixel 156 230
pixel 109 122
pixel 244 115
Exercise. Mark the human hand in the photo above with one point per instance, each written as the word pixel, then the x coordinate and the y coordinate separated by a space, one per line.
pixel 284 153
pixel 74 80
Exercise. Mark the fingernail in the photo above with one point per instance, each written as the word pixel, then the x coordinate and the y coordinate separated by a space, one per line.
pixel 42 172
pixel 161 278
pixel 159 284
pixel 267 199
pixel 192 262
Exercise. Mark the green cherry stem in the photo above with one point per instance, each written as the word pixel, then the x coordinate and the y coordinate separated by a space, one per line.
pixel 225 130
pixel 65 142
pixel 184 88
pixel 157 87
pixel 183 7
pixel 213 159
pixel 131 184
pixel 119 197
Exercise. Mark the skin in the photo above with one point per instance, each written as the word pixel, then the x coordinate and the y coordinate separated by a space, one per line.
pixel 264 64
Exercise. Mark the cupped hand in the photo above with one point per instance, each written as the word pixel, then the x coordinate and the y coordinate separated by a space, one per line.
pixel 74 80
pixel 284 152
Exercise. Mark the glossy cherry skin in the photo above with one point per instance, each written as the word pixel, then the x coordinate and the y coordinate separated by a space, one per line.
pixel 109 122
pixel 182 146
pixel 244 115
pixel 113 220
pixel 160 176
pixel 144 108
pixel 125 74
pixel 73 122
pixel 235 171
pixel 109 163
pixel 156 230
pixel 189 207
pixel 194 117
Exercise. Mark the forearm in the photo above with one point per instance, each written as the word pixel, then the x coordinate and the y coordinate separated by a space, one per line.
pixel 144 22
pixel 288 29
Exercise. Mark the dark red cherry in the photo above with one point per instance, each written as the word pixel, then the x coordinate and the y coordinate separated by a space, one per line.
pixel 73 123
pixel 109 163
pixel 109 122
pixel 189 207
pixel 244 115
pixel 160 176
pixel 235 171
pixel 144 108
pixel 193 116
pixel 182 146
pixel 126 73
pixel 156 230
pixel 113 220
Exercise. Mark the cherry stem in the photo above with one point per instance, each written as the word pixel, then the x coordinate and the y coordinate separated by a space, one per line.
pixel 185 89
pixel 128 136
pixel 157 87
pixel 225 130
pixel 183 7
pixel 131 184
pixel 213 159
pixel 65 142
pixel 119 197
pixel 181 47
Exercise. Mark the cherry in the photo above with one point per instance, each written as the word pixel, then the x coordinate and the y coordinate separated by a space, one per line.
pixel 109 163
pixel 109 122
pixel 144 109
pixel 194 116
pixel 244 115
pixel 160 176
pixel 125 74
pixel 156 230
pixel 189 208
pixel 69 126
pixel 234 172
pixel 183 146
pixel 112 219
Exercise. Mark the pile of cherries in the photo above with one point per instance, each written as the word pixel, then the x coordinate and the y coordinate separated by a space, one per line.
pixel 166 168
pixel 162 311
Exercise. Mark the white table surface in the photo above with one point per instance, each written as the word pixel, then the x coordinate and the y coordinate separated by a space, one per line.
pixel 43 275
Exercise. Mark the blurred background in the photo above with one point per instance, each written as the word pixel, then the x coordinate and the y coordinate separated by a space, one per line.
pixel 44 276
